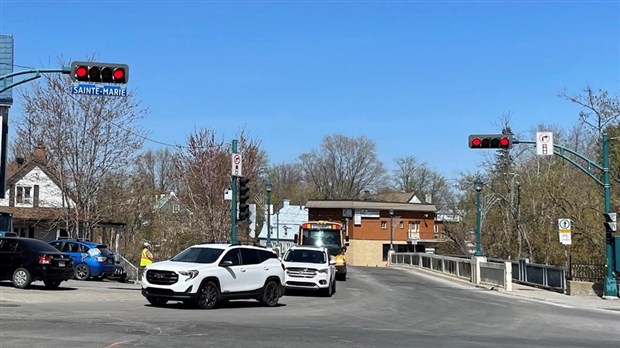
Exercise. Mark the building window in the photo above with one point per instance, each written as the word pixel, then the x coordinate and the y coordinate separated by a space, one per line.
pixel 436 228
pixel 175 208
pixel 414 229
pixel 402 224
pixel 383 225
pixel 23 195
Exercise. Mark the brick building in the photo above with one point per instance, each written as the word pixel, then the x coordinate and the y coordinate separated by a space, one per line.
pixel 368 226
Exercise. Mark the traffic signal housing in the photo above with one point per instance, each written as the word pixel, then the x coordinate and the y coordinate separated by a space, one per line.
pixel 244 197
pixel 490 141
pixel 99 72
pixel 610 222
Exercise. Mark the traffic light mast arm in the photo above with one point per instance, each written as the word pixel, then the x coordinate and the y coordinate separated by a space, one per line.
pixel 37 73
pixel 560 153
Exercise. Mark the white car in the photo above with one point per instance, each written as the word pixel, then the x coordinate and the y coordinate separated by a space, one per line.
pixel 310 268
pixel 208 274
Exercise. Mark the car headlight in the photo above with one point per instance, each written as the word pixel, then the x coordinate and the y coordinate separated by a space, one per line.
pixel 324 270
pixel 191 274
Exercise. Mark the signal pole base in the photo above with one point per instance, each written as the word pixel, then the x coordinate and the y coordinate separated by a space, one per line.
pixel 611 288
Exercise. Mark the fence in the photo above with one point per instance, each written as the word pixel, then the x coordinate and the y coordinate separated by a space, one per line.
pixel 586 270
pixel 543 276
pixel 473 270
pixel 132 271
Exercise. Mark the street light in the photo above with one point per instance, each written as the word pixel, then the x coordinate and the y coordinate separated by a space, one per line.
pixel 268 188
pixel 478 188
pixel 391 230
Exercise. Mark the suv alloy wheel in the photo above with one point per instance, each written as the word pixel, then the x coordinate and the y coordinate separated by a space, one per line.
pixel 271 293
pixel 208 296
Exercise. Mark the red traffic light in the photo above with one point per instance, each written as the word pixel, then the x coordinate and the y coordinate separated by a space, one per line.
pixel 119 74
pixel 504 142
pixel 81 72
pixel 100 72
pixel 490 141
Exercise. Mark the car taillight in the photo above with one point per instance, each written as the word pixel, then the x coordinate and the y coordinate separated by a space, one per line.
pixel 100 258
pixel 45 260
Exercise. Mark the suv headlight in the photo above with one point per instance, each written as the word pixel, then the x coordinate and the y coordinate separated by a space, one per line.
pixel 190 274
pixel 324 270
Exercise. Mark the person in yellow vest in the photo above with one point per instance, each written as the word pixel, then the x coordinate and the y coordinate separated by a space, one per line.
pixel 146 257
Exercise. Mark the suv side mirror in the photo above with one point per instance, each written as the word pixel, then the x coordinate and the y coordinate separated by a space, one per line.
pixel 226 263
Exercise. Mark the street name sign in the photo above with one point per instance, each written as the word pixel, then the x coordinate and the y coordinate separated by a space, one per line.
pixel 97 89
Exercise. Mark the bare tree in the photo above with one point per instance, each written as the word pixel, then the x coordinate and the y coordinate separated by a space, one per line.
pixel 411 176
pixel 86 138
pixel 204 173
pixel 343 167
pixel 288 183
pixel 598 109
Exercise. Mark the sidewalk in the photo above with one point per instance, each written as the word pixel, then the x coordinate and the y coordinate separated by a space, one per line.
pixel 591 302
pixel 527 292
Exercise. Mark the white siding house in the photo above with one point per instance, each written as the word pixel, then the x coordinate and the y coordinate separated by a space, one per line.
pixel 35 182
pixel 34 199
pixel 284 225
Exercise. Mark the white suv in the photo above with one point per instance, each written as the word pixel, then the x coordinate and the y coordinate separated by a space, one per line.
pixel 310 268
pixel 208 274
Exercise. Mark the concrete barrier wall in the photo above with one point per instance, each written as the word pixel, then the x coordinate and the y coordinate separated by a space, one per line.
pixel 475 270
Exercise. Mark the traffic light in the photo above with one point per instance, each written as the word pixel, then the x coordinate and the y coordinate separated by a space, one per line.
pixel 490 141
pixel 244 197
pixel 99 72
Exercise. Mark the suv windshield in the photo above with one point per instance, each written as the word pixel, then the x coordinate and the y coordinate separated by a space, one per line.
pixel 198 255
pixel 309 256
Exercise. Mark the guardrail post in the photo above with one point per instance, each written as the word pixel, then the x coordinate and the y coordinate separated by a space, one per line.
pixel 443 266
pixel 476 260
pixel 508 276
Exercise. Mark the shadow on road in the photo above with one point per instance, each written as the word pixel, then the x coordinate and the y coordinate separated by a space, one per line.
pixel 222 306
pixel 38 287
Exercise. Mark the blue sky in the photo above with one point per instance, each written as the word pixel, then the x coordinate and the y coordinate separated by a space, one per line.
pixel 416 77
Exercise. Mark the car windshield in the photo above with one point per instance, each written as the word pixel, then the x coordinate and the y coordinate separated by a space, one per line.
pixel 198 255
pixel 323 238
pixel 309 256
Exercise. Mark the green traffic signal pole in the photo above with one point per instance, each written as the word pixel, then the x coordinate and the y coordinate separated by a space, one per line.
pixel 478 188
pixel 233 204
pixel 37 73
pixel 610 287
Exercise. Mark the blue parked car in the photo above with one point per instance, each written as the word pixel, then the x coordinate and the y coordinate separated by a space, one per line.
pixel 89 259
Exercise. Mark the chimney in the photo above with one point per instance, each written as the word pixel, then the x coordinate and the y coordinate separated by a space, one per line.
pixel 286 203
pixel 428 198
pixel 39 152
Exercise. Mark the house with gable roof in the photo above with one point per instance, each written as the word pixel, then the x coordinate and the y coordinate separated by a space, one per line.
pixel 284 225
pixel 34 197
pixel 37 204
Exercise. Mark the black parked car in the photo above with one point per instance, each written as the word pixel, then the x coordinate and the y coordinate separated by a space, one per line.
pixel 24 260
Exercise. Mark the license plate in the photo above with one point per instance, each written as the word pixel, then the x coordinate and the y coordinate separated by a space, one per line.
pixel 61 264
